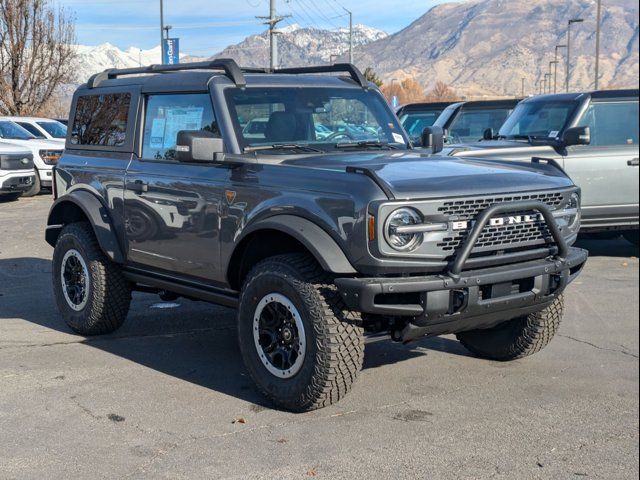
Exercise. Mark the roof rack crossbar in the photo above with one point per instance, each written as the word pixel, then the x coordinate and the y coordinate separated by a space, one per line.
pixel 229 66
pixel 352 70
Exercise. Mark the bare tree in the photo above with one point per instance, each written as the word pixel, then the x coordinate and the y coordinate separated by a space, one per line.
pixel 409 91
pixel 442 92
pixel 36 54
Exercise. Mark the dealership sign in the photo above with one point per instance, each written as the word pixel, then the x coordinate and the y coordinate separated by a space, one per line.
pixel 171 51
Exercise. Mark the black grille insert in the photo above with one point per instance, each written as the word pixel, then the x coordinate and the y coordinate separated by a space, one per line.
pixel 16 162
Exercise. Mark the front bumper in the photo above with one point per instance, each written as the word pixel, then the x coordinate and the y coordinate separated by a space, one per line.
pixel 15 183
pixel 442 304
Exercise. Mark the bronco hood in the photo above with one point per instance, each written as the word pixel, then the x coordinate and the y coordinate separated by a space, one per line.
pixel 415 176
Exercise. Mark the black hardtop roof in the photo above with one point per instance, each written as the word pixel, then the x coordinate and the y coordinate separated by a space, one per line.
pixel 465 103
pixel 425 105
pixel 595 94
pixel 504 102
pixel 197 76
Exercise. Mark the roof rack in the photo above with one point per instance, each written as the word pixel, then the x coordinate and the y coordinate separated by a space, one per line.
pixel 231 70
pixel 229 66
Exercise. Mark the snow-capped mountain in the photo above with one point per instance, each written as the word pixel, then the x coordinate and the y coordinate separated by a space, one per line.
pixel 299 46
pixel 94 59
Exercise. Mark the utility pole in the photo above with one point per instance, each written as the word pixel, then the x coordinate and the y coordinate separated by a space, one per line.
pixel 598 20
pixel 555 73
pixel 522 95
pixel 273 20
pixel 350 13
pixel 569 23
pixel 161 32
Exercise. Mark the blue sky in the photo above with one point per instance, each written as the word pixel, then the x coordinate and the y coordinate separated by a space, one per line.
pixel 207 26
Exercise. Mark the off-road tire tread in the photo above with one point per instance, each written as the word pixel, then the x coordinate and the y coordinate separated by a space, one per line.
pixel 111 292
pixel 528 335
pixel 339 332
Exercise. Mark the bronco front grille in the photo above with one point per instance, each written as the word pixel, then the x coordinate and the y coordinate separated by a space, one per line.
pixel 502 237
pixel 468 209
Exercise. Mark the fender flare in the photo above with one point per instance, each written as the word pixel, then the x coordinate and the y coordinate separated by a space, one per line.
pixel 321 245
pixel 98 216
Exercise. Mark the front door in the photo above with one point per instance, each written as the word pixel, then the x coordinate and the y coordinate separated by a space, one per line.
pixel 172 209
pixel 607 170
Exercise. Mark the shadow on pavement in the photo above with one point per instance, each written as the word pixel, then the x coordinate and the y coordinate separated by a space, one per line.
pixel 616 247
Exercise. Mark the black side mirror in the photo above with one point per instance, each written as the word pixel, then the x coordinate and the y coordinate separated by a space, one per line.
pixel 488 134
pixel 433 137
pixel 199 146
pixel 576 136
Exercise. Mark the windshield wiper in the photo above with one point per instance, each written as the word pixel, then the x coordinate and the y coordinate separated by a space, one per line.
pixel 367 144
pixel 283 147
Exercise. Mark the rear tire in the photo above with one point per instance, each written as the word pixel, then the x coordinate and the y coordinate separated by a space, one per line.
pixel 632 236
pixel 290 296
pixel 517 338
pixel 36 188
pixel 90 291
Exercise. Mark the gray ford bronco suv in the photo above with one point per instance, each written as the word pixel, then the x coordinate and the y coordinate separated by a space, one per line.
pixel 317 228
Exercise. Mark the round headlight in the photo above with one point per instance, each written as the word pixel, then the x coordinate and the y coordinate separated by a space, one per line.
pixel 574 204
pixel 401 241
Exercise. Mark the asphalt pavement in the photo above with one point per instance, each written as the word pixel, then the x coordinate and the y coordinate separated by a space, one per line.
pixel 167 395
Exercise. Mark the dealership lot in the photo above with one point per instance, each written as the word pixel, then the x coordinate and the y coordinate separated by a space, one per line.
pixel 167 396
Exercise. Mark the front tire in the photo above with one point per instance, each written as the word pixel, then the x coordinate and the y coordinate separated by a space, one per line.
pixel 36 187
pixel 632 236
pixel 90 291
pixel 302 347
pixel 517 338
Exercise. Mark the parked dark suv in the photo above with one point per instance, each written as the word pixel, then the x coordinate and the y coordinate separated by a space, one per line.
pixel 314 239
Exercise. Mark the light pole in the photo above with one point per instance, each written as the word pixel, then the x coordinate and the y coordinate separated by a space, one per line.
pixel 598 20
pixel 555 73
pixel 569 23
pixel 555 64
pixel 547 82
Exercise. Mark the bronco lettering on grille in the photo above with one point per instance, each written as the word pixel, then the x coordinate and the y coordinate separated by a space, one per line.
pixel 501 221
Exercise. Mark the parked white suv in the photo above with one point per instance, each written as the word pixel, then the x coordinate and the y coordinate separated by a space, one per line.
pixel 45 153
pixel 16 171
pixel 42 128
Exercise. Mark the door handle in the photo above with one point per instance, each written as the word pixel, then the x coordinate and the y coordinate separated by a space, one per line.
pixel 634 163
pixel 138 186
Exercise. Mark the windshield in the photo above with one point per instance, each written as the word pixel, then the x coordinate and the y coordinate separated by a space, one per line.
pixel 322 118
pixel 13 131
pixel 55 129
pixel 544 119
pixel 415 122
pixel 469 125
pixel 32 129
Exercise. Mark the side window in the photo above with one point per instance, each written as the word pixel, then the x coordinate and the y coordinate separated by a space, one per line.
pixel 101 120
pixel 166 115
pixel 612 123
